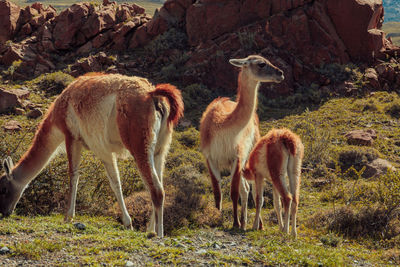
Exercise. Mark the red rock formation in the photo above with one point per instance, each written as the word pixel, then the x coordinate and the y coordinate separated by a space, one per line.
pixel 297 35
pixel 358 23
pixel 38 34
pixel 9 15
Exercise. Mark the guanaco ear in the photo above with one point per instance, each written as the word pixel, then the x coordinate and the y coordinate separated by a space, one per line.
pixel 239 62
pixel 8 166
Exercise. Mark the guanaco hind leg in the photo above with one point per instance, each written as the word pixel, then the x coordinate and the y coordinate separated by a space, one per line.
pixel 259 200
pixel 244 190
pixel 294 168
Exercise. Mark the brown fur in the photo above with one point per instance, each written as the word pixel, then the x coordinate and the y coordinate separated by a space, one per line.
pixel 239 116
pixel 272 146
pixel 174 97
pixel 228 130
pixel 135 113
pixel 215 185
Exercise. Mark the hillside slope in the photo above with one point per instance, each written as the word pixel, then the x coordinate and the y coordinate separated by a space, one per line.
pixel 393 31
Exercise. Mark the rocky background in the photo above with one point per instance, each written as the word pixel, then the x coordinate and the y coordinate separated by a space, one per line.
pixel 190 41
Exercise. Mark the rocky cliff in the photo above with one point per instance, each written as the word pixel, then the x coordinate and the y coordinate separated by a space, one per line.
pixel 300 36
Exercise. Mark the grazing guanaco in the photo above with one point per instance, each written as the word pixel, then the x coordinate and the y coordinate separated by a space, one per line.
pixel 228 130
pixel 275 156
pixel 109 114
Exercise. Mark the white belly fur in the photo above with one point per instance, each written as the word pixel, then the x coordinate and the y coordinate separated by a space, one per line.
pixel 98 129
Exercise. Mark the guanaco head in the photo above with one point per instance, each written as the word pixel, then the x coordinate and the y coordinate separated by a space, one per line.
pixel 259 68
pixel 8 192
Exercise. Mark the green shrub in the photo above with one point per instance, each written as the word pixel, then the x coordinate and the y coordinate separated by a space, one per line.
pixel 197 97
pixel 175 69
pixel 372 209
pixel 356 156
pixel 393 109
pixel 53 83
pixel 330 240
pixel 12 68
pixel 189 138
pixel 337 72
pixel 171 39
pixel 316 142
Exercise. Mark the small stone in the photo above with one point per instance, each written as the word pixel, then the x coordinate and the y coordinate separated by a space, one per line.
pixel 12 126
pixel 216 246
pixel 22 93
pixel 377 168
pixel 34 113
pixel 129 264
pixel 19 111
pixel 361 137
pixel 80 226
pixel 4 250
pixel 201 251
pixel 180 245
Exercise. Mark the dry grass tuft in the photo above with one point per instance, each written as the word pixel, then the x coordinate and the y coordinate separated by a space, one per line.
pixel 371 221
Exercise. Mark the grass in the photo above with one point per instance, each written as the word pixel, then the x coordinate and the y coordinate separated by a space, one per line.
pixel 105 242
pixel 196 232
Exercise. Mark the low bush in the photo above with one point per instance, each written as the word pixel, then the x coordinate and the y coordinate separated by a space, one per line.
pixel 197 97
pixel 372 209
pixel 171 39
pixel 316 140
pixel 394 110
pixel 53 83
pixel 355 156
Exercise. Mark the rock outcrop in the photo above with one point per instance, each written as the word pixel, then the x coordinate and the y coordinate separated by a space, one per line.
pixel 41 40
pixel 361 137
pixel 299 36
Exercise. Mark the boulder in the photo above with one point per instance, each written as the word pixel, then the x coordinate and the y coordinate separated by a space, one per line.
pixel 21 93
pixel 119 38
pixel 361 137
pixel 34 113
pixel 99 21
pixel 9 15
pixel 372 78
pixel 11 54
pixel 140 37
pixel 101 39
pixel 8 100
pixel 377 168
pixel 209 19
pixel 357 23
pixel 69 23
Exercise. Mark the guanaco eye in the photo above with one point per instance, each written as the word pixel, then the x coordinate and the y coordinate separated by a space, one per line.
pixel 262 65
pixel 3 191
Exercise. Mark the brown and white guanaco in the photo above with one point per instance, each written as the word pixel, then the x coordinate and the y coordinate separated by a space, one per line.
pixel 109 114
pixel 276 156
pixel 228 130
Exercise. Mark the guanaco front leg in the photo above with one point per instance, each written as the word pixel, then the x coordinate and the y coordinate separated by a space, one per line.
pixel 74 149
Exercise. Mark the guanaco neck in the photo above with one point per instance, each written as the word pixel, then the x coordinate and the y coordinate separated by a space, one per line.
pixel 38 155
pixel 246 103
